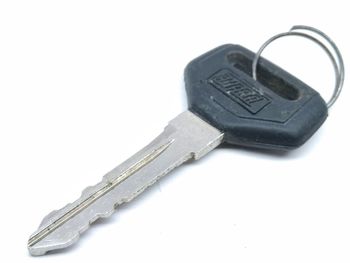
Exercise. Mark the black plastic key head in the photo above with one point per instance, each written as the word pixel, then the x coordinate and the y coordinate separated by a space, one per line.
pixel 277 112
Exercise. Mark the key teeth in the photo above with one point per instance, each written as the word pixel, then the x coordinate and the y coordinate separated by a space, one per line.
pixel 51 216
pixel 48 218
pixel 87 191
pixel 59 241
pixel 44 246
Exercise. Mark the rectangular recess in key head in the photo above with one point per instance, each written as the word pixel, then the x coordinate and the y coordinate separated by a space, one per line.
pixel 239 90
pixel 277 112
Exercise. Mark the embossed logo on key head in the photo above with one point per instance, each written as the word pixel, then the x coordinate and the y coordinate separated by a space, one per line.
pixel 228 83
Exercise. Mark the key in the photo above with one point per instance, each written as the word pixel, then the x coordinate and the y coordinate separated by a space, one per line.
pixel 225 105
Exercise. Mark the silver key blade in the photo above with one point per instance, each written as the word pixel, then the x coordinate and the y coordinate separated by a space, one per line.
pixel 186 137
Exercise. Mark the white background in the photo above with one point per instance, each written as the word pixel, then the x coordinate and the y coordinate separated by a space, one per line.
pixel 85 84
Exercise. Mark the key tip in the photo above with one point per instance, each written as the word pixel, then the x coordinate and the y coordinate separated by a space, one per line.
pixel 49 243
pixel 34 251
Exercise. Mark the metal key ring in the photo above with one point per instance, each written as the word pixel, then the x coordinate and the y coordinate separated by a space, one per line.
pixel 337 60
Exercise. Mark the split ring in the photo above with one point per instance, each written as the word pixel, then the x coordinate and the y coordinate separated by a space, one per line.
pixel 337 60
